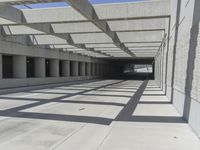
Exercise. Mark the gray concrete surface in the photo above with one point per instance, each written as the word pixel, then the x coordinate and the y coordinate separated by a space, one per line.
pixel 98 115
pixel 164 30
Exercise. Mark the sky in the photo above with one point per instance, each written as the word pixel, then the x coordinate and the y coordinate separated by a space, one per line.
pixel 63 4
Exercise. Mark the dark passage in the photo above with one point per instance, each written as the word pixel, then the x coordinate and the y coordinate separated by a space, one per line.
pixel 30 67
pixel 7 66
pixel 47 67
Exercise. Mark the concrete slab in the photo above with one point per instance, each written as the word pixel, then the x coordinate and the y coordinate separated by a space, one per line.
pixel 88 122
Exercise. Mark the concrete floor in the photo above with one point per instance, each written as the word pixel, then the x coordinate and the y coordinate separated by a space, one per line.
pixel 98 115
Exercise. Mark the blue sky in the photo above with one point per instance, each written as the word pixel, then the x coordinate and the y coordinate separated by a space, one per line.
pixel 63 4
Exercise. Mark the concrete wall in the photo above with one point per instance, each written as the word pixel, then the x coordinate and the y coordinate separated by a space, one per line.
pixel 183 76
pixel 158 68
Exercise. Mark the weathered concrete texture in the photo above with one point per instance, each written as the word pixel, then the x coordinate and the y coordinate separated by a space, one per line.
pixel 104 115
pixel 39 67
pixel 183 59
pixel 75 69
pixel 19 66
pixel 54 65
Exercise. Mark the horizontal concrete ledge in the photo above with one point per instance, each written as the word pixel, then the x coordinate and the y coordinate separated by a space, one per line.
pixel 17 85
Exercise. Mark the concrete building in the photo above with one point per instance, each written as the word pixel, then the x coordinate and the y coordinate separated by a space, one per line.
pixel 74 77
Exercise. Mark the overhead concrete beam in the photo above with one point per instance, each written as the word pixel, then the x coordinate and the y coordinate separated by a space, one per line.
pixel 144 10
pixel 138 24
pixel 10 13
pixel 15 15
pixel 3 2
pixel 87 10
pixel 150 9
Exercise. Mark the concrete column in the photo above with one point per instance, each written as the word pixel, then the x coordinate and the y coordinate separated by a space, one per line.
pixel 65 68
pixel 88 69
pixel 74 68
pixel 100 69
pixel 54 68
pixel 1 71
pixel 93 69
pixel 39 67
pixel 19 66
pixel 97 69
pixel 82 69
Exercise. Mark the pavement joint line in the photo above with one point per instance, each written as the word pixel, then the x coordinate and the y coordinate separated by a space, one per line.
pixel 17 114
pixel 113 123
pixel 68 137
pixel 85 124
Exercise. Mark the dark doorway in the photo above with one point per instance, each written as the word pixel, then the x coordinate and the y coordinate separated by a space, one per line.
pixel 79 69
pixel 47 67
pixel 86 69
pixel 30 67
pixel 7 66
pixel 71 68
pixel 61 68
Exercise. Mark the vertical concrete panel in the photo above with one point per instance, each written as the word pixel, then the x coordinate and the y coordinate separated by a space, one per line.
pixel 194 119
pixel 39 67
pixel 19 66
pixel 54 68
pixel 184 51
pixel 1 73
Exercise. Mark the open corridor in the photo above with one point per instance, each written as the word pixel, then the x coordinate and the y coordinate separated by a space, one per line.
pixel 94 115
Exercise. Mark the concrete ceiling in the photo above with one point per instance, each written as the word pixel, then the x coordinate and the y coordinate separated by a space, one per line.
pixel 125 30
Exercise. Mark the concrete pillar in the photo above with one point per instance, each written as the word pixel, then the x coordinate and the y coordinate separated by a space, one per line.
pixel 93 69
pixel 65 68
pixel 103 69
pixel 39 67
pixel 1 71
pixel 82 69
pixel 88 66
pixel 54 68
pixel 74 68
pixel 100 69
pixel 19 66
pixel 97 69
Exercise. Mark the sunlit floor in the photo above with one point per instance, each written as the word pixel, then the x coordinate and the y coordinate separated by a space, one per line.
pixel 97 115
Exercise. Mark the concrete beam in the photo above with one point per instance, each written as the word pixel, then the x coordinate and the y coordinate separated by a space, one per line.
pixel 138 24
pixel 151 9
pixel 14 2
pixel 17 16
pixel 146 9
pixel 88 11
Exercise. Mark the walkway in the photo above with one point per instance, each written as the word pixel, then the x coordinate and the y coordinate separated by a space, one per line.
pixel 98 115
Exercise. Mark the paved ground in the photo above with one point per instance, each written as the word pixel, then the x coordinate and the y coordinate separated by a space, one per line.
pixel 101 115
